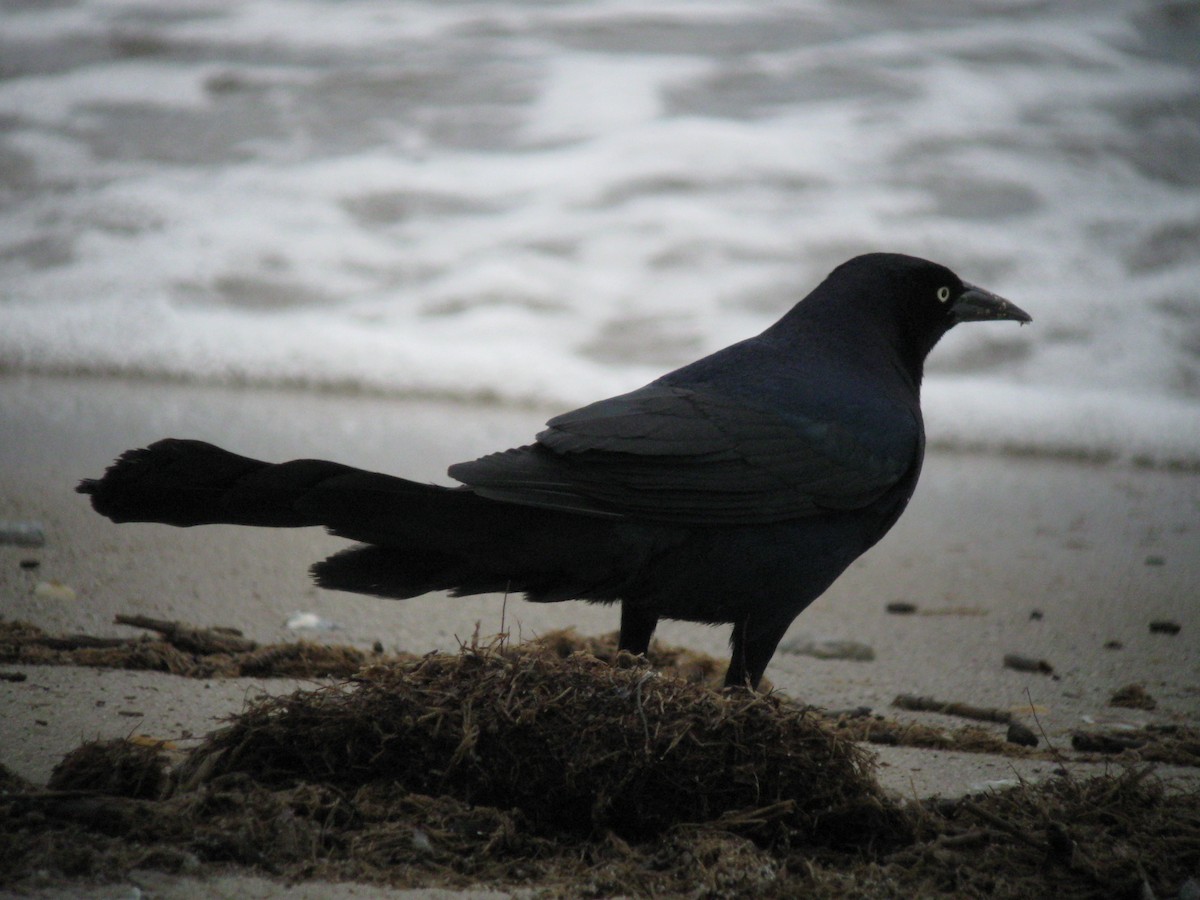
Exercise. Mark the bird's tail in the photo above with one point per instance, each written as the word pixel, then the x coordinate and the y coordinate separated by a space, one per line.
pixel 185 483
pixel 424 537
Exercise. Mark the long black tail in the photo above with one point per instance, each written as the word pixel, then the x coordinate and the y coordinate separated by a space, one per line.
pixel 425 537
pixel 185 483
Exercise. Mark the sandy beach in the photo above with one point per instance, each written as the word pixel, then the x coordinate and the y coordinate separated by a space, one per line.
pixel 1051 559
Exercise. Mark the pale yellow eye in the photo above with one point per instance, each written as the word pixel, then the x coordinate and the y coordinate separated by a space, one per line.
pixel 943 294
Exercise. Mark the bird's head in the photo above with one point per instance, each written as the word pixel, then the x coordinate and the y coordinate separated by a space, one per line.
pixel 925 291
pixel 914 301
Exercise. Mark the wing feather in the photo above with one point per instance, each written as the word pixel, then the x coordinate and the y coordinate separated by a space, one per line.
pixel 698 457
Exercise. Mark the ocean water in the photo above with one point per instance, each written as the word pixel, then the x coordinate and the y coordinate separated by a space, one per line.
pixel 542 202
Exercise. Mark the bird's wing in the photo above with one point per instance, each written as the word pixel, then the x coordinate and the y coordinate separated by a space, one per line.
pixel 674 454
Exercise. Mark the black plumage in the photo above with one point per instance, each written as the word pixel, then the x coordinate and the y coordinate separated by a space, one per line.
pixel 732 490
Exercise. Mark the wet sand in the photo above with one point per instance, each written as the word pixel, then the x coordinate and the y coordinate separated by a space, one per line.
pixel 1051 559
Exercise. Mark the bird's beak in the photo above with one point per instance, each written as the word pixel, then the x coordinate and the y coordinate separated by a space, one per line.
pixel 977 305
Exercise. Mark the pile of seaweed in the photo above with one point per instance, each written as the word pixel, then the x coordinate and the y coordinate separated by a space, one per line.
pixel 509 767
pixel 576 745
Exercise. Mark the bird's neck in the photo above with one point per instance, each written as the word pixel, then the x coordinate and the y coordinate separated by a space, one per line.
pixel 868 343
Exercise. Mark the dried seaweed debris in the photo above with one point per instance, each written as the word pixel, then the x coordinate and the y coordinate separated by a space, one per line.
pixel 573 743
pixel 419 775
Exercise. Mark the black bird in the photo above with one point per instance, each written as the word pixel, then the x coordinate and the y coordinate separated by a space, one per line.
pixel 735 489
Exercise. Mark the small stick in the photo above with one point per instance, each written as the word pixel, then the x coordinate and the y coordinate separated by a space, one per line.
pixel 963 710
pixel 204 641
pixel 78 642
pixel 1004 825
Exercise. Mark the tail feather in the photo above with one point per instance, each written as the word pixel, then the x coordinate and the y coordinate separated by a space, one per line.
pixel 419 537
pixel 381 571
pixel 185 483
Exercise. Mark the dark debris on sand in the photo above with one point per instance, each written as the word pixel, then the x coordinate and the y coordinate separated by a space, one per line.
pixel 177 649
pixel 575 744
pixel 542 768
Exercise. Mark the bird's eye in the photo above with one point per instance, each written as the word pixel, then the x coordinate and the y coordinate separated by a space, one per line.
pixel 943 294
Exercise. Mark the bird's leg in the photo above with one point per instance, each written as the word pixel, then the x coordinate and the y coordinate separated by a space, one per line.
pixel 754 642
pixel 637 626
pixel 735 675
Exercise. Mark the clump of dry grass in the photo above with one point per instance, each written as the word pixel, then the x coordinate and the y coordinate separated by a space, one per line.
pixel 576 745
pixel 121 768
pixel 1113 836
